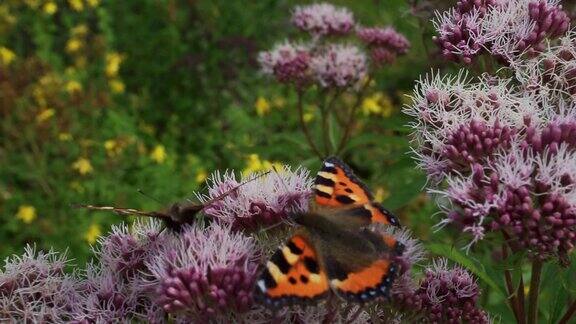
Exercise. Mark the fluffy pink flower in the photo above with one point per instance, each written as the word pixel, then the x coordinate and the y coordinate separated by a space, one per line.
pixel 323 19
pixel 265 201
pixel 339 66
pixel 385 44
pixel 287 62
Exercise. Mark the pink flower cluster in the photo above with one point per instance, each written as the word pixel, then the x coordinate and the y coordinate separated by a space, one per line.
pixel 505 29
pixel 328 64
pixel 323 19
pixel 501 153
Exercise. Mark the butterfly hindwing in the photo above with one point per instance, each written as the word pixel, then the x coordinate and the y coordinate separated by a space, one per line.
pixel 371 280
pixel 293 275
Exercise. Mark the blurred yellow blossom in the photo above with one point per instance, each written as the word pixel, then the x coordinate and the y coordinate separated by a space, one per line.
pixel 387 106
pixel 50 8
pixel 381 194
pixel 44 115
pixel 113 148
pixel 77 186
pixel 93 3
pixel 201 176
pixel 64 137
pixel 113 61
pixel 83 166
pixel 279 102
pixel 73 86
pixel 158 154
pixel 6 55
pixel 116 85
pixel 73 45
pixel 262 106
pixel 308 117
pixel 77 5
pixel 371 105
pixel 26 214
pixel 80 30
pixel 254 164
pixel 92 233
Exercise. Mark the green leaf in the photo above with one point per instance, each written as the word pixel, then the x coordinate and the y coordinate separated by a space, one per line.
pixel 450 252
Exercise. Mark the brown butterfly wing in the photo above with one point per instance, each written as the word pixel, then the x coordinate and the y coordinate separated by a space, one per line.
pixel 337 187
pixel 294 274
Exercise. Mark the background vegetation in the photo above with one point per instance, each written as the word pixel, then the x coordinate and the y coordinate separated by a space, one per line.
pixel 100 98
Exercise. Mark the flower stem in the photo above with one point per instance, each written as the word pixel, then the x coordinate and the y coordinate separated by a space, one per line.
pixel 534 291
pixel 350 121
pixel 512 298
pixel 569 313
pixel 305 129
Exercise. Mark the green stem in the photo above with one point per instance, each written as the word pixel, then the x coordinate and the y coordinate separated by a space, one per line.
pixel 534 291
pixel 305 129
pixel 569 313
pixel 350 121
pixel 512 298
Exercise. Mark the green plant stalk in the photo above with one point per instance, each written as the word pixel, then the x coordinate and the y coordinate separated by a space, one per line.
pixel 534 291
pixel 569 313
pixel 350 121
pixel 327 109
pixel 521 301
pixel 512 298
pixel 304 127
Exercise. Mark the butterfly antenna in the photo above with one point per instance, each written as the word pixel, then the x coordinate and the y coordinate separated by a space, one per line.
pixel 121 211
pixel 280 179
pixel 233 189
pixel 140 191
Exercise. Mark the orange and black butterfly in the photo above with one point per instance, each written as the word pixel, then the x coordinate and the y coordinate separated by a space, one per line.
pixel 177 214
pixel 333 251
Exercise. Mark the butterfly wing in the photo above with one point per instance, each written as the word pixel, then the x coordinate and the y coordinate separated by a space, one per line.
pixel 337 187
pixel 371 274
pixel 293 275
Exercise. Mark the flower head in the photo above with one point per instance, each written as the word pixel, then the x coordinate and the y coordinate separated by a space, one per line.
pixel 26 213
pixel 339 66
pixel 204 271
pixel 323 19
pixel 35 287
pixel 385 43
pixel 287 62
pixel 261 200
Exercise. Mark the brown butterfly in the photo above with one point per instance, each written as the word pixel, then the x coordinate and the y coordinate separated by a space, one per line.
pixel 333 251
pixel 177 214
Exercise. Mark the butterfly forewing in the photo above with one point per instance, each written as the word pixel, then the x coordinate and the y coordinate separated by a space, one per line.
pixel 337 187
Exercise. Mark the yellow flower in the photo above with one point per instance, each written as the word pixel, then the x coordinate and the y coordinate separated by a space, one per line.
pixel 387 107
pixel 254 164
pixel 262 106
pixel 117 86
pixel 158 154
pixel 92 233
pixel 73 45
pixel 279 102
pixel 83 166
pixel 45 115
pixel 201 176
pixel 6 55
pixel 371 105
pixel 80 30
pixel 50 8
pixel 73 87
pixel 113 61
pixel 26 213
pixel 308 117
pixel 93 3
pixel 381 194
pixel 77 5
pixel 64 137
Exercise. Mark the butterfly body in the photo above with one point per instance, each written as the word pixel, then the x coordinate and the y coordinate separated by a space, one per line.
pixel 333 251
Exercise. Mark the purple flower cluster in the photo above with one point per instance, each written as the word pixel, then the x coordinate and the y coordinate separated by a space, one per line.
pixel 265 201
pixel 504 29
pixel 444 295
pixel 204 272
pixel 503 156
pixel 323 19
pixel 385 44
pixel 324 62
pixel 34 288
